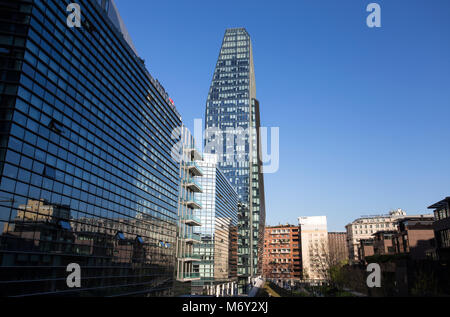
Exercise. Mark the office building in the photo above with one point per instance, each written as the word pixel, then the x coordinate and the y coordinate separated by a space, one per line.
pixel 337 245
pixel 281 260
pixel 314 248
pixel 441 228
pixel 366 226
pixel 232 132
pixel 217 251
pixel 87 175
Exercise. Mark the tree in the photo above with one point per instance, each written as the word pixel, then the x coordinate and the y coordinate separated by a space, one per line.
pixel 425 284
pixel 320 260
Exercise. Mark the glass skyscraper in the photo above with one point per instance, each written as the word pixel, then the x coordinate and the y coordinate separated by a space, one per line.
pixel 218 231
pixel 86 173
pixel 232 132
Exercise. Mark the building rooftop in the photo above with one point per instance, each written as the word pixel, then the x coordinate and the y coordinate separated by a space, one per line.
pixel 282 226
pixel 443 203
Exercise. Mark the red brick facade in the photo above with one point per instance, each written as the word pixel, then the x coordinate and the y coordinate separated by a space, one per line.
pixel 281 259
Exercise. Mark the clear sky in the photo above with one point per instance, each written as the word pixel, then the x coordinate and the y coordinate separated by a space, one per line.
pixel 364 114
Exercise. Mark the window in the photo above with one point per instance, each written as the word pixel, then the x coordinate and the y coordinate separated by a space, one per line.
pixel 56 126
pixel 49 172
pixel 65 225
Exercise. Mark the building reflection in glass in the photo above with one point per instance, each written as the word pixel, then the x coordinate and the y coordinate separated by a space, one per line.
pixel 87 175
pixel 44 238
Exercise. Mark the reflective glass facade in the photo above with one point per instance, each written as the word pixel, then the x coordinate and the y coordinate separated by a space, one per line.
pixel 219 218
pixel 85 155
pixel 232 113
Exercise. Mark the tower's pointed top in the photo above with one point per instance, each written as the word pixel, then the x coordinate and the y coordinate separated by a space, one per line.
pixel 236 30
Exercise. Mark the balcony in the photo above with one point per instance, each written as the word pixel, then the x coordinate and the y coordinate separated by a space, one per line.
pixel 188 257
pixel 196 155
pixel 191 220
pixel 194 169
pixel 191 202
pixel 192 185
pixel 192 238
pixel 187 277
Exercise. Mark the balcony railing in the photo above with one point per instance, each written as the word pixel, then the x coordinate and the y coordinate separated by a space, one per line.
pixel 193 237
pixel 185 277
pixel 191 220
pixel 194 169
pixel 191 256
pixel 191 275
pixel 192 185
pixel 192 202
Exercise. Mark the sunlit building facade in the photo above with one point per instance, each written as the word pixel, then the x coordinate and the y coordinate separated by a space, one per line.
pixel 87 175
pixel 218 233
pixel 366 226
pixel 232 132
pixel 314 248
pixel 282 254
pixel 190 174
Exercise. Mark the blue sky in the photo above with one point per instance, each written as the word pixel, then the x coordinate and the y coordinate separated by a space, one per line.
pixel 364 114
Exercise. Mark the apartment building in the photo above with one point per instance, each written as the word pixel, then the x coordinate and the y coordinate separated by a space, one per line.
pixel 190 173
pixel 314 247
pixel 282 258
pixel 218 233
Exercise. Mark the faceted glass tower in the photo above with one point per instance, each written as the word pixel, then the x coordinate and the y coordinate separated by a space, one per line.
pixel 232 126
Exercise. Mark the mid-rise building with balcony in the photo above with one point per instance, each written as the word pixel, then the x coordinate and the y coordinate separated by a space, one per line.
pixel 282 256
pixel 217 250
pixel 190 173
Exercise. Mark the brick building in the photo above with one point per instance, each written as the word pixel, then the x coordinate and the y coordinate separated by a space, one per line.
pixel 383 242
pixel 365 248
pixel 281 260
pixel 441 228
pixel 415 236
pixel 337 244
